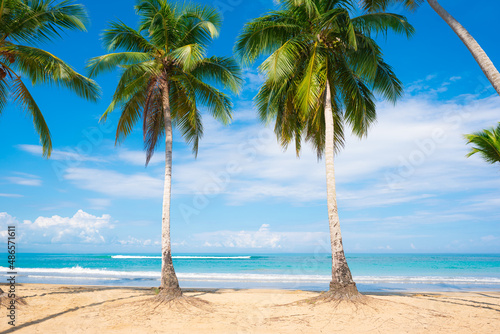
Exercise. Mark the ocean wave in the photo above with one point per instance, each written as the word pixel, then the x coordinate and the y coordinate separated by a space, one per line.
pixel 86 272
pixel 179 257
pixel 211 257
pixel 78 272
pixel 134 257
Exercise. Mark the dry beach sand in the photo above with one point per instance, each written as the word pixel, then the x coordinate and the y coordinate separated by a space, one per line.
pixel 85 309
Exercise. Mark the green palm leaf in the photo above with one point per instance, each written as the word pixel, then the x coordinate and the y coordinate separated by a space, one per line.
pixel 164 60
pixel 24 99
pixel 486 143
pixel 33 22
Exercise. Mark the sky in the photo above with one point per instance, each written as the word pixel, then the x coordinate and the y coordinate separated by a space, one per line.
pixel 406 188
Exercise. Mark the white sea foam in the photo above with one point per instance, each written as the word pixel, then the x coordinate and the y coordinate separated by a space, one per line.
pixel 78 272
pixel 179 257
pixel 211 257
pixel 134 257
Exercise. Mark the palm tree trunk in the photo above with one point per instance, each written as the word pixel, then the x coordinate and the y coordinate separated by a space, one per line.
pixel 342 285
pixel 169 284
pixel 481 57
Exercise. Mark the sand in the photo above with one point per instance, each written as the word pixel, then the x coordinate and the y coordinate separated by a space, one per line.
pixel 84 309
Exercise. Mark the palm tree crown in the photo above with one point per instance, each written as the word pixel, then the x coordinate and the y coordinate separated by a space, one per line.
pixel 30 22
pixel 486 143
pixel 313 42
pixel 168 49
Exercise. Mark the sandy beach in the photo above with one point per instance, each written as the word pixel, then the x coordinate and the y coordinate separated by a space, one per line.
pixel 86 309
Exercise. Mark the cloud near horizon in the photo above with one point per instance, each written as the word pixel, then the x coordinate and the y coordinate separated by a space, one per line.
pixel 82 228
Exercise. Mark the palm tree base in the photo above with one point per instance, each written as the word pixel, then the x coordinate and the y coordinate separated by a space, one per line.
pixel 168 294
pixel 343 292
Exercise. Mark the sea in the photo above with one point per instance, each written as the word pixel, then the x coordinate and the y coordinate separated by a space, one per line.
pixel 371 272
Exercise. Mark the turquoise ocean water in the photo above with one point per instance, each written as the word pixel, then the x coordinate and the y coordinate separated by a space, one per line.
pixel 372 272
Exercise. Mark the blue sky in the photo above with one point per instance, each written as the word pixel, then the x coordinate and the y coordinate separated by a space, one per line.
pixel 406 188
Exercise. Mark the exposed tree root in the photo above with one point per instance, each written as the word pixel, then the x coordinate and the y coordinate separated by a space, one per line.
pixel 338 294
pixel 175 299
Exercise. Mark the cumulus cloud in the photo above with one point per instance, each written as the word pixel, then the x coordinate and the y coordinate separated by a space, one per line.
pixel 81 228
pixel 6 219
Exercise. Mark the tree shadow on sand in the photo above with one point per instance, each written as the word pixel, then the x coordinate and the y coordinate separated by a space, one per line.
pixel 55 315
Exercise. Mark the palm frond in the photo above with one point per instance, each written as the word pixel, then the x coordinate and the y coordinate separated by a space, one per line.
pixel 264 35
pixel 218 104
pixel 186 116
pixel 188 56
pixel 486 143
pixel 43 67
pixel 98 65
pixel 201 24
pixel 219 70
pixel 24 99
pixel 29 21
pixel 4 94
pixel 119 36
pixel 381 23
pixel 382 5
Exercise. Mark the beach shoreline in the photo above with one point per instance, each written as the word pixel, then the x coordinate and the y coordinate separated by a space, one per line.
pixel 107 309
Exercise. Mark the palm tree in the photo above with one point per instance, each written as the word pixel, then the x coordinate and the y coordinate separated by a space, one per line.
pixel 487 143
pixel 24 23
pixel 165 79
pixel 321 75
pixel 475 49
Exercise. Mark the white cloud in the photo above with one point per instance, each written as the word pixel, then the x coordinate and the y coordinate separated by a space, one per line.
pixel 138 158
pixel 253 79
pixel 99 203
pixel 81 228
pixel 6 219
pixel 488 238
pixel 262 238
pixel 24 181
pixel 65 155
pixel 131 241
pixel 10 195
pixel 112 183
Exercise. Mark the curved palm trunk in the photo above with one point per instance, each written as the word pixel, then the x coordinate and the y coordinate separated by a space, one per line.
pixel 342 285
pixel 481 57
pixel 169 283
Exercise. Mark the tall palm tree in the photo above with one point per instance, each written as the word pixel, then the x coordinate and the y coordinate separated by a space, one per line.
pixel 165 79
pixel 23 24
pixel 321 75
pixel 487 143
pixel 475 49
